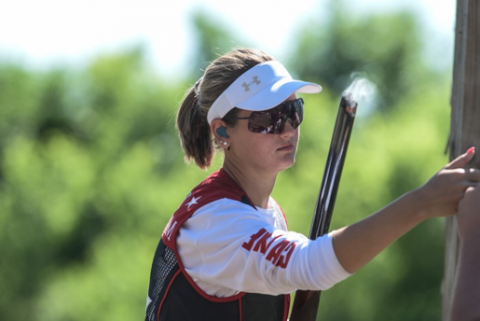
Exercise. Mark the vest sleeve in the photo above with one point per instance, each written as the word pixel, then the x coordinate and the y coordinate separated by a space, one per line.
pixel 228 247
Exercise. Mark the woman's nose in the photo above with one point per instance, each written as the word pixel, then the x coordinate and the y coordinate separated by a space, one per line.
pixel 288 128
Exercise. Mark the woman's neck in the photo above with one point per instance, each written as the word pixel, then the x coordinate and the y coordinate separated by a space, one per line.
pixel 257 185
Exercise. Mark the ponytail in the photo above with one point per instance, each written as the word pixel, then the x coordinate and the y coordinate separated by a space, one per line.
pixel 194 131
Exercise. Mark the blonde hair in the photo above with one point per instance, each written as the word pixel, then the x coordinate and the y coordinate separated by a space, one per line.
pixel 192 124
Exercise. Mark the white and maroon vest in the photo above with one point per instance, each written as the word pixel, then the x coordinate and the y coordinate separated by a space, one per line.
pixel 174 296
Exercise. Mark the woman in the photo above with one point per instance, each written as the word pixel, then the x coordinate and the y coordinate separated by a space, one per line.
pixel 226 253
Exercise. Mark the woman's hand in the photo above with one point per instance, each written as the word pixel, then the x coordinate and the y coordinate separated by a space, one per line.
pixel 440 196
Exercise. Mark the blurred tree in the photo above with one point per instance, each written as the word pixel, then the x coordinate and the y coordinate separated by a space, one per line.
pixel 213 38
pixel 84 157
pixel 385 48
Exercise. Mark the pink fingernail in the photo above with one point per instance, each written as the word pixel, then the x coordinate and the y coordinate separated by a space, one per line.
pixel 471 150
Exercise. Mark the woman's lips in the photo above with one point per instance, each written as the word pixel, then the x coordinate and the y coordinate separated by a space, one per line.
pixel 286 148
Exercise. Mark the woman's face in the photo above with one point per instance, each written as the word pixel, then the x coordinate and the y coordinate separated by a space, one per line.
pixel 262 152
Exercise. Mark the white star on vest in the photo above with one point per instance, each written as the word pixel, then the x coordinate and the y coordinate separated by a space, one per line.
pixel 193 201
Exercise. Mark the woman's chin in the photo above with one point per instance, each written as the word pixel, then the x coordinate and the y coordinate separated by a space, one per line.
pixel 287 163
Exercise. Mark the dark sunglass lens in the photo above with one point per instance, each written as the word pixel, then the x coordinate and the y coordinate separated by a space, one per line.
pixel 273 121
pixel 298 106
pixel 295 120
pixel 279 120
pixel 295 112
pixel 261 122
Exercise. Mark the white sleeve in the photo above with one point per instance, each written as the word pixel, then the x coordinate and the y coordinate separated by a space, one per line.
pixel 228 247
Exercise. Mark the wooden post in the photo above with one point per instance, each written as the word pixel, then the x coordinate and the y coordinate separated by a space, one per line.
pixel 465 120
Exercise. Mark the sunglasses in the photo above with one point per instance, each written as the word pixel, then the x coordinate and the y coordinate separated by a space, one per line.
pixel 272 121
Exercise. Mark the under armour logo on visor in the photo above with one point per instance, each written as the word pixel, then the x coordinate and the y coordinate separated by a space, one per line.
pixel 255 81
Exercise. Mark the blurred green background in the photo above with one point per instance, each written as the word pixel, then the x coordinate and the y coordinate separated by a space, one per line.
pixel 91 168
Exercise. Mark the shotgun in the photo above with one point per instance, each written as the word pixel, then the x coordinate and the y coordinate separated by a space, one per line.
pixel 306 303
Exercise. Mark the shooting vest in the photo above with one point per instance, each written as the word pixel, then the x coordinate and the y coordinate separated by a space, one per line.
pixel 174 296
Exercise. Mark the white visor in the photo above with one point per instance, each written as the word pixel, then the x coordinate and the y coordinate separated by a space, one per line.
pixel 262 87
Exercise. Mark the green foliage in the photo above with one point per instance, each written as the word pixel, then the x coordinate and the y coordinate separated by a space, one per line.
pixel 91 170
pixel 71 155
pixel 385 48
pixel 214 38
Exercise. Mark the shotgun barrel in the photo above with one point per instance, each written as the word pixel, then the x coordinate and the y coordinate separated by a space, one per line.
pixel 306 303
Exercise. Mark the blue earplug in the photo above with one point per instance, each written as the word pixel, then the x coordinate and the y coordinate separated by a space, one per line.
pixel 222 132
